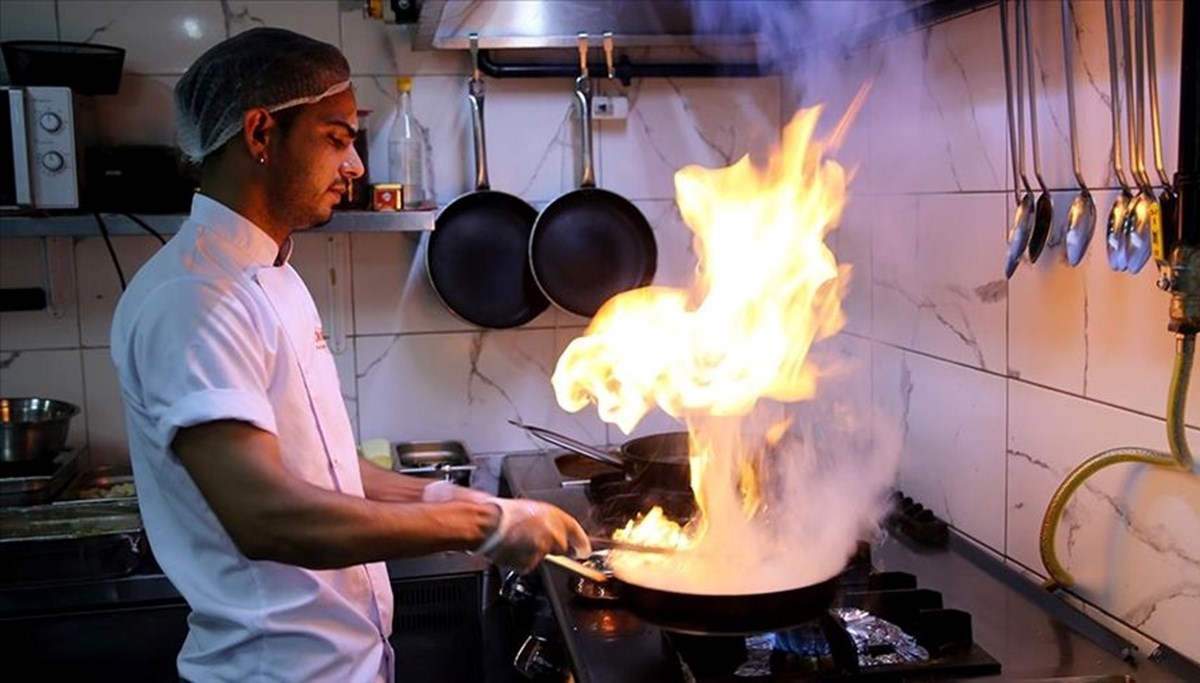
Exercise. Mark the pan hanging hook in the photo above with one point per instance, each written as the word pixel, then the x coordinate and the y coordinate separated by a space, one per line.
pixel 476 75
pixel 582 39
pixel 608 55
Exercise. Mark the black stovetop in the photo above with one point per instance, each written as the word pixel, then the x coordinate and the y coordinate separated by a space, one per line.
pixel 981 624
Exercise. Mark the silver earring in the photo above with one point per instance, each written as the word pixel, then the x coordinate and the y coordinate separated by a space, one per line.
pixel 262 161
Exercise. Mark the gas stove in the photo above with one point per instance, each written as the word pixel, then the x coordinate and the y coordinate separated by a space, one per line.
pixel 918 603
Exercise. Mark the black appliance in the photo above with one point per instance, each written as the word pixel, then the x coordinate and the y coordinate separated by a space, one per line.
pixel 153 179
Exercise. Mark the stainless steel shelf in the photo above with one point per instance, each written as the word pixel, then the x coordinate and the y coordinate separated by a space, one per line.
pixel 84 225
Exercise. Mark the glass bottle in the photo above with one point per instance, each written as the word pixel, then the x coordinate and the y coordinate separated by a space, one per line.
pixel 407 163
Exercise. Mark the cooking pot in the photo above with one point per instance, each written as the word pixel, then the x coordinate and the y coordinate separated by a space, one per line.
pixel 658 461
pixel 33 428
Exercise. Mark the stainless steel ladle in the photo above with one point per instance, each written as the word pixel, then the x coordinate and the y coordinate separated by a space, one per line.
pixel 1081 218
pixel 1023 213
pixel 1044 214
pixel 1115 237
pixel 1145 207
pixel 1167 200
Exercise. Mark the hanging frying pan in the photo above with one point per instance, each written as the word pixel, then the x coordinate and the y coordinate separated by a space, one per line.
pixel 713 614
pixel 477 255
pixel 590 244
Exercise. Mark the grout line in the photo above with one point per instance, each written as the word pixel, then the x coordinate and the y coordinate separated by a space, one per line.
pixel 1021 380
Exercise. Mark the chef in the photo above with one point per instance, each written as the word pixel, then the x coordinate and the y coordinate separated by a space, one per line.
pixel 254 499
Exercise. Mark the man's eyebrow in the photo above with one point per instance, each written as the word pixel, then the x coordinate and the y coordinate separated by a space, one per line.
pixel 342 124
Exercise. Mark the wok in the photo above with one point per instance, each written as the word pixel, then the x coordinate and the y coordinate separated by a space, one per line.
pixel 708 614
pixel 653 461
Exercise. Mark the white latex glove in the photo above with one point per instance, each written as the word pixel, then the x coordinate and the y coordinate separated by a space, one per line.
pixel 528 530
pixel 443 491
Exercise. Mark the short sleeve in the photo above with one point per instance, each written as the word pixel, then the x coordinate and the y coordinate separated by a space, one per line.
pixel 200 353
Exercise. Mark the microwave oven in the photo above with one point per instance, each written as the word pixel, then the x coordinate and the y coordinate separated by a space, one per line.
pixel 37 141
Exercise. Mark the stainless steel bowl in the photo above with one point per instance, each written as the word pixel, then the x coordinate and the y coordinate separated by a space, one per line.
pixel 33 428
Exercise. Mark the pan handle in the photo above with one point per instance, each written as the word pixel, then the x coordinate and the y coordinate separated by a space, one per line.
pixel 577 568
pixel 563 441
pixel 583 95
pixel 475 93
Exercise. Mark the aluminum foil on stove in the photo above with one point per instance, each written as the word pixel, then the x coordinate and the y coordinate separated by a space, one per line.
pixel 878 641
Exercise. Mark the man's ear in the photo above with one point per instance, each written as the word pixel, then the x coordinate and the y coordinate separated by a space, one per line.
pixel 257 126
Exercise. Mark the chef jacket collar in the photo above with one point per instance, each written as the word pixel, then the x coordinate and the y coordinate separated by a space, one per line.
pixel 249 239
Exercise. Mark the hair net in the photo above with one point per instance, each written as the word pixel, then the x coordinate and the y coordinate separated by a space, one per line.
pixel 263 67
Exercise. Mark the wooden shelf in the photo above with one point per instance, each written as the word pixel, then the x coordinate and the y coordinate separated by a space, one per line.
pixel 84 225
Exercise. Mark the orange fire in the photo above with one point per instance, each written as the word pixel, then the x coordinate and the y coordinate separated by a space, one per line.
pixel 767 287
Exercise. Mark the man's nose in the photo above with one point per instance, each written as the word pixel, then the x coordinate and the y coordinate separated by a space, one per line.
pixel 353 167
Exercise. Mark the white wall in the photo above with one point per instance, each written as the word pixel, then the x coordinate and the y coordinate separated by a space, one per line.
pixel 1003 387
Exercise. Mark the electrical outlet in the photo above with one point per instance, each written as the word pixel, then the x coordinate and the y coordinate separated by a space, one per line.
pixel 610 107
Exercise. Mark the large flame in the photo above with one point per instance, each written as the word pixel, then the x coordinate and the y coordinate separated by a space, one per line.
pixel 767 287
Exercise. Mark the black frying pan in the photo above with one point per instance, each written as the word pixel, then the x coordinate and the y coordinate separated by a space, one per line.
pixel 706 614
pixel 590 244
pixel 477 255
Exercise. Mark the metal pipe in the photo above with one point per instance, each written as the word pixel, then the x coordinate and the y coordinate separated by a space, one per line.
pixel 1179 458
pixel 624 70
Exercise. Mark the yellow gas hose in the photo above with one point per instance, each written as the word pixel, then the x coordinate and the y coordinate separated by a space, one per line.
pixel 1180 458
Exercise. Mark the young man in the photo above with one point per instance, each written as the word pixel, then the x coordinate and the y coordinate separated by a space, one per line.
pixel 254 499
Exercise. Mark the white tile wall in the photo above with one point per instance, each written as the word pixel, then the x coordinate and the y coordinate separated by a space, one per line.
pixel 1135 517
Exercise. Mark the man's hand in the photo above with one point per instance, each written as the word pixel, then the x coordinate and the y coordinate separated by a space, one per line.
pixel 529 530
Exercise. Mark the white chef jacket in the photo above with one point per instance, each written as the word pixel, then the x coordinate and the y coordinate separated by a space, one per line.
pixel 211 329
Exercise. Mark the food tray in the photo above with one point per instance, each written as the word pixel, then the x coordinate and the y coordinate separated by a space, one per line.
pixel 70 541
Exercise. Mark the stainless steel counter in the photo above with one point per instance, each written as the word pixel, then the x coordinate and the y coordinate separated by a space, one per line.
pixel 1033 634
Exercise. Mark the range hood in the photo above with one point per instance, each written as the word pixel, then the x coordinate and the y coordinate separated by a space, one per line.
pixel 533 24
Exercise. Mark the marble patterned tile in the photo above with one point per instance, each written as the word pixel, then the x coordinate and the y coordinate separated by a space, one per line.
pixel 851 243
pixel 1129 533
pixel 937 109
pixel 676 122
pixel 159 37
pixel 26 262
pixel 317 19
pixel 533 139
pixel 459 386
pixel 106 436
pixel 1130 351
pixel 952 422
pixel 936 284
pixel 56 374
pixel 99 286
pixel 374 47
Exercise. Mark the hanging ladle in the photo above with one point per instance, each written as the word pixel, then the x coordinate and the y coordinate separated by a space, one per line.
pixel 1022 225
pixel 1044 216
pixel 1144 209
pixel 1164 241
pixel 1115 237
pixel 1081 218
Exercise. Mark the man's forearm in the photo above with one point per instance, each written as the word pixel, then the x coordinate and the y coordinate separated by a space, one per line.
pixel 386 485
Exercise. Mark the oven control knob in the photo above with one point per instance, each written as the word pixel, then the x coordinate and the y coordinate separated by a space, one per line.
pixel 53 161
pixel 515 589
pixel 537 660
pixel 50 122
